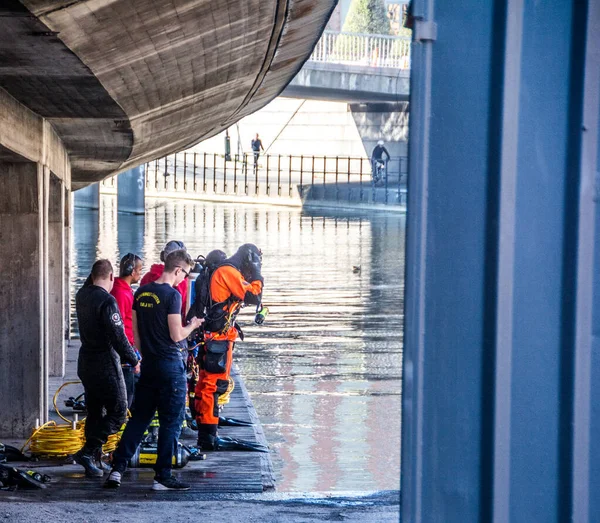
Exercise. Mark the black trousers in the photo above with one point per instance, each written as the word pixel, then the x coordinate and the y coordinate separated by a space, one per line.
pixel 130 379
pixel 105 397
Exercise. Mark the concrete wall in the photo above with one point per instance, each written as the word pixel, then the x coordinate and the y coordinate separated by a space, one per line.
pixel 320 128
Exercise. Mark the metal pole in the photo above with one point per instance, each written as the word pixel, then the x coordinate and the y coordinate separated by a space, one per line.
pixel 235 184
pixel 301 174
pixel 290 178
pixel 225 175
pixel 185 171
pixel 204 174
pixel 214 173
pixel 195 156
pixel 279 175
pixel 337 189
pixel 360 174
pixel 246 174
pixel 175 172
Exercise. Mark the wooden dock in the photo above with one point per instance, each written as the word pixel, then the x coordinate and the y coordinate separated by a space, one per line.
pixel 221 472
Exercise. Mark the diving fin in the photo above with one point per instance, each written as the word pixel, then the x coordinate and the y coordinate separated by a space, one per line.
pixel 227 443
pixel 233 422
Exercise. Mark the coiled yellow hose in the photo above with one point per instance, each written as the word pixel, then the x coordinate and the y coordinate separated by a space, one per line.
pixel 61 440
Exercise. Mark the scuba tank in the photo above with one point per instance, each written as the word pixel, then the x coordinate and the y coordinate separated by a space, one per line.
pixel 145 456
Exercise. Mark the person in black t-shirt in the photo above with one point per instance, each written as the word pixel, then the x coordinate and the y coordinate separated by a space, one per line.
pixel 163 385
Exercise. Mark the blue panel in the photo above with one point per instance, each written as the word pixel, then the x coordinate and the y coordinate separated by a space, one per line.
pixel 542 157
pixel 456 241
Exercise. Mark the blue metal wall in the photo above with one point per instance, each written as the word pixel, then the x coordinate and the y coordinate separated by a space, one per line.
pixel 499 417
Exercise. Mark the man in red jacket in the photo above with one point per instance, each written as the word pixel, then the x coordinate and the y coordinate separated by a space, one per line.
pixel 157 269
pixel 130 272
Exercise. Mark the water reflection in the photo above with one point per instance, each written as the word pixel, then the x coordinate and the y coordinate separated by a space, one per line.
pixel 324 370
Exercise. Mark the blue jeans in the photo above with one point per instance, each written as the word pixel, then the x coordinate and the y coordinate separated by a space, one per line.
pixel 162 386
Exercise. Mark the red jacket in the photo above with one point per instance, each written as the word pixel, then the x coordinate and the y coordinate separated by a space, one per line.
pixel 155 272
pixel 124 295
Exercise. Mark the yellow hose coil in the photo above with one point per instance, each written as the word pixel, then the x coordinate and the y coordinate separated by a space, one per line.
pixel 56 440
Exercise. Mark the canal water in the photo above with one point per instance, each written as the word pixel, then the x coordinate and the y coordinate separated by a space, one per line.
pixel 324 371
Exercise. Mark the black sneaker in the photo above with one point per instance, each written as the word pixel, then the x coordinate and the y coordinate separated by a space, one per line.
pixel 87 462
pixel 113 480
pixel 169 484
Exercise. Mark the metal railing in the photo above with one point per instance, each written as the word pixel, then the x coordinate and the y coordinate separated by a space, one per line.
pixel 362 49
pixel 280 178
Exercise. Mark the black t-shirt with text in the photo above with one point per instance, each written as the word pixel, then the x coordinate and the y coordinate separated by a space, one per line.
pixel 152 304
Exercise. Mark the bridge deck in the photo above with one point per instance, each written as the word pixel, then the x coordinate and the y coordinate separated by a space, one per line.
pixel 221 472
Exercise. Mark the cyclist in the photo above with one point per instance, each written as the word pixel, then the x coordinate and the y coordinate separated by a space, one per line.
pixel 377 161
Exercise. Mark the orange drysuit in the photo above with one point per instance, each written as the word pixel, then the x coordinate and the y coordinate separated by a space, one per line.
pixel 227 287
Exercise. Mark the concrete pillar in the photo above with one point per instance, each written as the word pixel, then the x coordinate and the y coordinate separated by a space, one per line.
pixel 56 280
pixel 22 315
pixel 88 197
pixel 131 191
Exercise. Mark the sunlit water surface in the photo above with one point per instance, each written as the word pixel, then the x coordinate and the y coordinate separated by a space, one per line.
pixel 324 370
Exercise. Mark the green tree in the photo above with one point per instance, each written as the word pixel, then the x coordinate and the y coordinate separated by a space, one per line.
pixel 368 17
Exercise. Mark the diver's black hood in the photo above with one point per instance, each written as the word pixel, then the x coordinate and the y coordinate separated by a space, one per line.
pixel 244 255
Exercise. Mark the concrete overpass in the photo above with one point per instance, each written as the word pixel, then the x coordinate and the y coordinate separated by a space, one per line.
pixel 89 88
pixel 349 83
pixel 355 68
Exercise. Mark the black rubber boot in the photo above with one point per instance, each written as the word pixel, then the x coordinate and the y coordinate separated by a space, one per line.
pixel 206 441
pixel 86 459
pixel 102 465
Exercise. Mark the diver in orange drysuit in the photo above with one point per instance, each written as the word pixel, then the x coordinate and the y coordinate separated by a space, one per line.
pixel 237 281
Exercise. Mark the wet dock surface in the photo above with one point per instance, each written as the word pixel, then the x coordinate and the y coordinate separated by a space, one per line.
pixel 221 472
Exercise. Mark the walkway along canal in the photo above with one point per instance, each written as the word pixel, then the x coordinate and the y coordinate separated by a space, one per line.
pixel 324 371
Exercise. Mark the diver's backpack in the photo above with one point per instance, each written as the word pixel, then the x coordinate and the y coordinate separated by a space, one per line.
pixel 201 302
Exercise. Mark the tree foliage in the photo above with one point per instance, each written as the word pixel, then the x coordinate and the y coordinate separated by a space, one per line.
pixel 367 17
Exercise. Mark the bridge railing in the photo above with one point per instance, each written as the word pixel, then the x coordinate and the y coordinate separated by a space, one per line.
pixel 279 178
pixel 362 49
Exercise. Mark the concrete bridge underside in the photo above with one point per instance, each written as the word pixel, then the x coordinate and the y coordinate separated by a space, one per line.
pixel 90 88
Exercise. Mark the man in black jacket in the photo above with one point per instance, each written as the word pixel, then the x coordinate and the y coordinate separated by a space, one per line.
pixel 104 347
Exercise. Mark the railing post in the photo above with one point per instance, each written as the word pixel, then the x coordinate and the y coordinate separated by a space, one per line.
pixel 290 178
pixel 214 173
pixel 225 174
pixel 279 175
pixel 175 172
pixel 204 174
pixel 235 184
pixel 256 188
pixel 166 174
pixel 301 175
pixel 267 176
pixel 337 189
pixel 245 174
pixel 156 174
pixel 386 181
pixel 195 186
pixel 185 172
pixel 360 174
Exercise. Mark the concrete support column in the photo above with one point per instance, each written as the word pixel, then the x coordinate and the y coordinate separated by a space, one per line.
pixel 131 191
pixel 22 315
pixel 56 280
